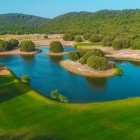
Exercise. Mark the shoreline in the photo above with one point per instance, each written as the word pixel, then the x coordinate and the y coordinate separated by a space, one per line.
pixel 57 54
pixel 18 52
pixel 123 54
pixel 84 70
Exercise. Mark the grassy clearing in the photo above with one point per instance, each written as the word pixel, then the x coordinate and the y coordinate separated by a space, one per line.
pixel 86 44
pixel 25 114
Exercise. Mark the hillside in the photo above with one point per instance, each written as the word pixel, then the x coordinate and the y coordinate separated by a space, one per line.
pixel 105 21
pixel 16 23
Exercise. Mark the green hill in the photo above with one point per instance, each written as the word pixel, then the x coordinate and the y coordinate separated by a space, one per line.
pixel 18 23
pixel 105 21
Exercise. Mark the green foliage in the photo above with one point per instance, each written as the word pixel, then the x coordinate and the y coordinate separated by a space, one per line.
pixel 87 36
pixel 121 43
pixel 118 71
pixel 56 47
pixel 4 46
pixel 135 44
pixel 97 63
pixel 27 46
pixel 68 37
pixel 95 38
pixel 25 79
pixel 58 97
pixel 74 56
pixel 95 52
pixel 108 40
pixel 78 38
pixel 81 52
pixel 13 43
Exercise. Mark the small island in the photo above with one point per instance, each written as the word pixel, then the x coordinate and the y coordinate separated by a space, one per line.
pixel 13 47
pixel 91 64
pixel 56 49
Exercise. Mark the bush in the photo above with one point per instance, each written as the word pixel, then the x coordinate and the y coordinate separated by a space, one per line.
pixel 68 37
pixel 107 41
pixel 97 63
pixel 46 37
pixel 94 39
pixel 4 46
pixel 78 38
pixel 74 56
pixel 135 44
pixel 13 43
pixel 95 52
pixel 56 47
pixel 59 97
pixel 27 46
pixel 25 79
pixel 118 71
pixel 87 36
pixel 121 43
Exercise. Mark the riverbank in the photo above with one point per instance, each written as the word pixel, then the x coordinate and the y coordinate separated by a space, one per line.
pixel 84 70
pixel 57 54
pixel 123 54
pixel 18 52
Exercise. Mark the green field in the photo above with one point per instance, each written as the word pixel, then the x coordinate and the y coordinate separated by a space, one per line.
pixel 86 44
pixel 25 114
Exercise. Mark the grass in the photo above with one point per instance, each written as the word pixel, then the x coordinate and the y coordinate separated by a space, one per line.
pixel 87 44
pixel 25 114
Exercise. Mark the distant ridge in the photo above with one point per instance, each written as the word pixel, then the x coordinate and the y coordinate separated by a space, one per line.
pixel 103 22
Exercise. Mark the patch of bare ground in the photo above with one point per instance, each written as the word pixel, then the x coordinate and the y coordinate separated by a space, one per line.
pixel 4 72
pixel 18 52
pixel 84 70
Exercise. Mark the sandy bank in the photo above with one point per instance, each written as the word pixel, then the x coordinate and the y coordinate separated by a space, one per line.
pixel 84 70
pixel 124 54
pixel 48 42
pixel 4 72
pixel 57 54
pixel 18 52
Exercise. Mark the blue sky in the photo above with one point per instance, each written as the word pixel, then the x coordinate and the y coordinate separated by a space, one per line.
pixel 53 8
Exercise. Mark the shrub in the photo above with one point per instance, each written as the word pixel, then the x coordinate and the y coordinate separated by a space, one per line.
pixel 97 63
pixel 107 41
pixel 13 43
pixel 74 56
pixel 4 46
pixel 59 97
pixel 120 43
pixel 78 38
pixel 95 39
pixel 27 46
pixel 81 52
pixel 25 79
pixel 87 36
pixel 95 52
pixel 46 37
pixel 135 44
pixel 56 47
pixel 118 71
pixel 68 37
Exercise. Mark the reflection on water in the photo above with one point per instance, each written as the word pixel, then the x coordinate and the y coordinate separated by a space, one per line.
pixel 135 63
pixel 55 59
pixel 98 84
pixel 29 58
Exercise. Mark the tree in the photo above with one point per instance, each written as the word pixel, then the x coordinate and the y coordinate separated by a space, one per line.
pixel 95 39
pixel 135 44
pixel 56 47
pixel 27 46
pixel 4 46
pixel 87 36
pixel 13 43
pixel 74 56
pixel 78 38
pixel 107 41
pixel 97 63
pixel 68 37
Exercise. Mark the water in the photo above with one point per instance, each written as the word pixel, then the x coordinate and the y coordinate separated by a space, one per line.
pixel 46 75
